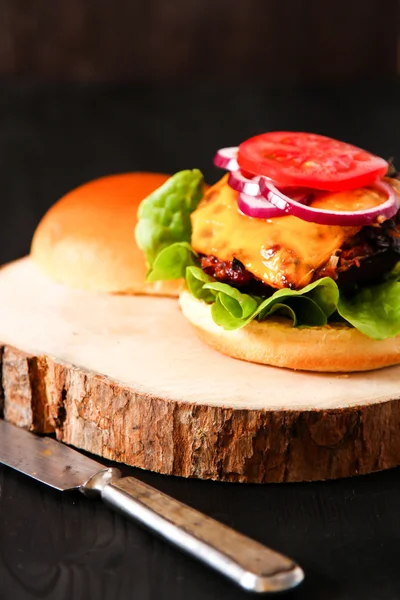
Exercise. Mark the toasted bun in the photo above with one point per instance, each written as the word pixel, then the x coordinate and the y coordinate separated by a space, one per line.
pixel 275 342
pixel 86 240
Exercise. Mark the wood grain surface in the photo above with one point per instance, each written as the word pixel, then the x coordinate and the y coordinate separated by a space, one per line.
pixel 125 377
pixel 344 533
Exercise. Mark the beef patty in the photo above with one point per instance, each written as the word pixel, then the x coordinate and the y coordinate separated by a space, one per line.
pixel 363 260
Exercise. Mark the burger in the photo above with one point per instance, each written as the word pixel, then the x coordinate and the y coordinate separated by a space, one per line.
pixel 292 259
pixel 86 240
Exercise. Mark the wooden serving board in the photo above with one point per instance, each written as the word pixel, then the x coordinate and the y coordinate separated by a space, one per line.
pixel 126 378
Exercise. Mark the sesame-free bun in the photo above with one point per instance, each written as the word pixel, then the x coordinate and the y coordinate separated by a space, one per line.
pixel 275 342
pixel 87 239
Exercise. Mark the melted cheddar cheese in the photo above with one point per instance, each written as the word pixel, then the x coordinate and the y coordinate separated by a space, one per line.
pixel 283 251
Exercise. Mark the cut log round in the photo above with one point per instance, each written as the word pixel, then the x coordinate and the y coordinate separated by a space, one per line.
pixel 125 378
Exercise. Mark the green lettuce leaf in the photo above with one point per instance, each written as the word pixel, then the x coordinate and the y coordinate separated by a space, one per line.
pixel 195 280
pixel 310 306
pixel 374 310
pixel 242 306
pixel 172 262
pixel 306 312
pixel 164 216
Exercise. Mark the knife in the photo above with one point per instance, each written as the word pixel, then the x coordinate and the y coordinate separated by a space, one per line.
pixel 246 562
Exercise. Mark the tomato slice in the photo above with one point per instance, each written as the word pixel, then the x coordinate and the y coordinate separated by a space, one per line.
pixel 310 160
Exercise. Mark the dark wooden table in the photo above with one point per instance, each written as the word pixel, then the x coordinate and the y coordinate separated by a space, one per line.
pixel 346 534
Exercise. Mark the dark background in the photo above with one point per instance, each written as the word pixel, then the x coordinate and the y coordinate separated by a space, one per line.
pixel 160 40
pixel 95 87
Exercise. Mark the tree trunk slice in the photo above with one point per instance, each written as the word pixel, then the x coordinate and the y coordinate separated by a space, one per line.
pixel 125 378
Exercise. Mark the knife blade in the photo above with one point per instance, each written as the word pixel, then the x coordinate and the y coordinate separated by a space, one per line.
pixel 246 562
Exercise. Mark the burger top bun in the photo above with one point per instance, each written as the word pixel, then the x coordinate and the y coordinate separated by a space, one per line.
pixel 86 240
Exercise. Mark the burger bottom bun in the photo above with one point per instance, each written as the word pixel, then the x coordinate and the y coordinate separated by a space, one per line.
pixel 331 348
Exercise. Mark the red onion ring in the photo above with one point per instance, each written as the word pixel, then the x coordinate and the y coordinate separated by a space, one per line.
pixel 383 211
pixel 238 182
pixel 226 158
pixel 258 207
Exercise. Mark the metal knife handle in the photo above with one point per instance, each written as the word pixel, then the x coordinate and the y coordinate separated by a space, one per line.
pixel 248 563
